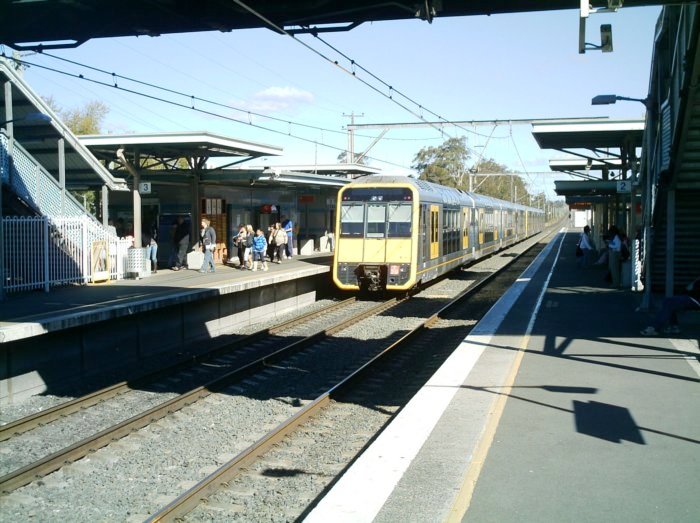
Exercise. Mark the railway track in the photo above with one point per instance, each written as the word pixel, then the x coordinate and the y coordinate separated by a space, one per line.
pixel 269 379
pixel 212 371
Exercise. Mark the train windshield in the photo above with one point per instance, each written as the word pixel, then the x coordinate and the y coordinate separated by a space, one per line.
pixel 375 220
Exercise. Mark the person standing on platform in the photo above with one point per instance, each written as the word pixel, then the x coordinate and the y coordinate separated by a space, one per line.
pixel 240 246
pixel 288 227
pixel 280 241
pixel 271 243
pixel 181 241
pixel 149 241
pixel 614 262
pixel 259 249
pixel 586 247
pixel 248 255
pixel 208 243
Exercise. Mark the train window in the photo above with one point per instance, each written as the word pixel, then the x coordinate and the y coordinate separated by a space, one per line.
pixel 399 220
pixel 351 220
pixel 376 220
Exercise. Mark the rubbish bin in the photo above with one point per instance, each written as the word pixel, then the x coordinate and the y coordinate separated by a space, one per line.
pixel 136 263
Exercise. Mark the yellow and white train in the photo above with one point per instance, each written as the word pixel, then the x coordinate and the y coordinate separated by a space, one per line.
pixel 395 232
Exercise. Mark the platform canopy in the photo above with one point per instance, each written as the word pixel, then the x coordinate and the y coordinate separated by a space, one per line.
pixel 170 147
pixel 591 135
pixel 72 22
pixel 596 148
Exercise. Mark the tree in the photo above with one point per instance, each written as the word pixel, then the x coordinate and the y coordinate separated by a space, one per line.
pixel 506 188
pixel 83 120
pixel 445 164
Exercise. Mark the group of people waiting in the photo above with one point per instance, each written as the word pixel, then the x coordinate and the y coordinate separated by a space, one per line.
pixel 617 252
pixel 254 247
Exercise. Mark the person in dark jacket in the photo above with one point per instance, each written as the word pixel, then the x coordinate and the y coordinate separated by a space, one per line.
pixel 208 244
pixel 667 317
pixel 181 241
pixel 149 237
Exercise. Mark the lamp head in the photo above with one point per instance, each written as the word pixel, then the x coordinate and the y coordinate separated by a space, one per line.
pixel 604 99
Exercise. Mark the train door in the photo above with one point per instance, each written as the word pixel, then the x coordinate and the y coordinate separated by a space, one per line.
pixel 465 228
pixel 434 231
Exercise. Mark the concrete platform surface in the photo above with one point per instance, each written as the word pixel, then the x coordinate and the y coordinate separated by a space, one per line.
pixel 28 314
pixel 554 408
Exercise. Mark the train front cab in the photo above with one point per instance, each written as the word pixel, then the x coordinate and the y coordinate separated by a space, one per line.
pixel 376 243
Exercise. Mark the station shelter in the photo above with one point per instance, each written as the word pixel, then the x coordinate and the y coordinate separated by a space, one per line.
pixel 644 175
pixel 199 175
pixel 606 165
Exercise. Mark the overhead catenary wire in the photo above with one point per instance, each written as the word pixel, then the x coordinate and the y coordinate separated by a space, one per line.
pixel 196 109
pixel 391 88
pixel 335 62
pixel 116 76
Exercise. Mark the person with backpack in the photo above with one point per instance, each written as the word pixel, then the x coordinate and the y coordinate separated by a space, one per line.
pixel 208 244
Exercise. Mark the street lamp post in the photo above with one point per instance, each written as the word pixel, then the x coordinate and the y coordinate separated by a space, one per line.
pixel 607 99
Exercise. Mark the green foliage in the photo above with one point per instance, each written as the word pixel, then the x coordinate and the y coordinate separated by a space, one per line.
pixel 85 120
pixel 82 120
pixel 506 188
pixel 445 164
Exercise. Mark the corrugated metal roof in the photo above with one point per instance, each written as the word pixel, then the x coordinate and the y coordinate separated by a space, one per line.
pixel 591 135
pixel 41 138
pixel 176 145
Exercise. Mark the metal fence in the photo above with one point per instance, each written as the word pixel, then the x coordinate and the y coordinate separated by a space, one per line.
pixel 41 252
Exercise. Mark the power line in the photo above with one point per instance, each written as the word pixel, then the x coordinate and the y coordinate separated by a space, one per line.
pixel 333 62
pixel 193 108
pixel 193 98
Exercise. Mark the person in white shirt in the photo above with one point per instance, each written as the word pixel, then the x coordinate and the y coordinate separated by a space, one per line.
pixel 614 262
pixel 586 246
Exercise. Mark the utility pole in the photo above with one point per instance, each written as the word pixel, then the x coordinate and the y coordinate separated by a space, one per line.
pixel 350 156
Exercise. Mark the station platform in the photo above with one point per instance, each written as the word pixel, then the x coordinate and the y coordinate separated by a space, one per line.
pixel 554 408
pixel 86 336
pixel 34 313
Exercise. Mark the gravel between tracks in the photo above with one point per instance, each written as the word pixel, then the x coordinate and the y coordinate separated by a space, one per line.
pixel 137 475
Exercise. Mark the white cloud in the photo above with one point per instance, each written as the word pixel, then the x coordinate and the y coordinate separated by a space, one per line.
pixel 275 99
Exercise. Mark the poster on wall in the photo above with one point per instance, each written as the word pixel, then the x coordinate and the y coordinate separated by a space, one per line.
pixel 99 261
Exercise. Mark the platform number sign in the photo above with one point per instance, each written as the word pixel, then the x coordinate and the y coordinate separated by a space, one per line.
pixel 624 186
pixel 145 188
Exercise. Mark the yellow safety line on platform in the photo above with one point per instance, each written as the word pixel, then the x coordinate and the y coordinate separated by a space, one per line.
pixel 471 476
pixel 464 497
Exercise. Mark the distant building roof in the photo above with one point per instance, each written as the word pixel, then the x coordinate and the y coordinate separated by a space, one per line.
pixel 352 170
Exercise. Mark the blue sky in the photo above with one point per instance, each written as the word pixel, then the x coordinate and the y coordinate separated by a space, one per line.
pixel 515 66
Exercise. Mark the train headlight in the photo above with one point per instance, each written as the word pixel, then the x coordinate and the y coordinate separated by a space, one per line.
pixel 394 270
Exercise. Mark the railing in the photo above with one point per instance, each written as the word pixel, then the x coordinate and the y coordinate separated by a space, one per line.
pixel 63 246
pixel 34 184
pixel 41 252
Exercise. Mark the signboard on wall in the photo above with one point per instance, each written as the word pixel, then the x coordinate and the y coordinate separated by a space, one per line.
pixel 145 188
pixel 624 186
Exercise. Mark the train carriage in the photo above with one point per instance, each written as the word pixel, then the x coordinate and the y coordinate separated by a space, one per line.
pixel 394 232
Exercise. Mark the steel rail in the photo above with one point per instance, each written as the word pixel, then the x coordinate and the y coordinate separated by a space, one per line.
pixel 33 421
pixel 55 461
pixel 191 498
